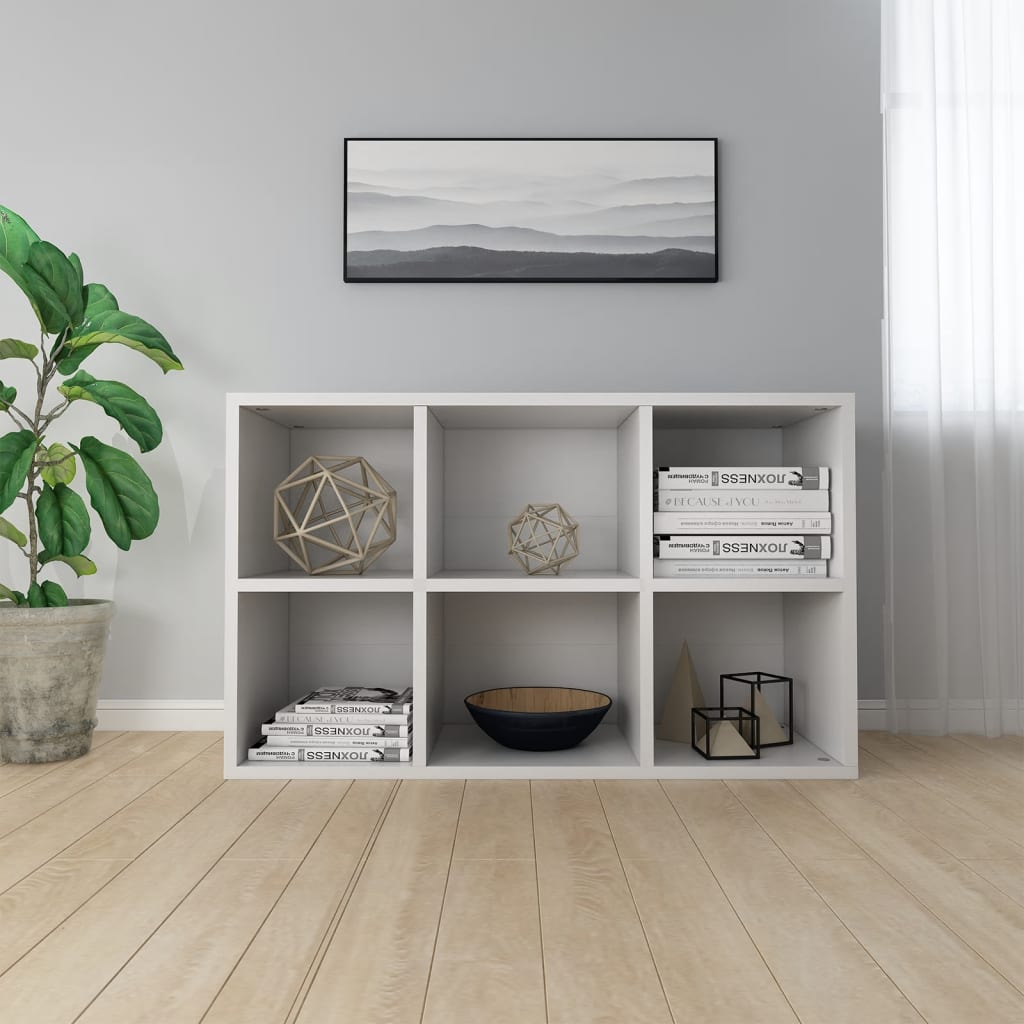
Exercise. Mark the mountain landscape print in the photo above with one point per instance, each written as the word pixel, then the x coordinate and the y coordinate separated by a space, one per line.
pixel 531 210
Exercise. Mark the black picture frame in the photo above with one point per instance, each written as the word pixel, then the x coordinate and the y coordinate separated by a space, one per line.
pixel 514 275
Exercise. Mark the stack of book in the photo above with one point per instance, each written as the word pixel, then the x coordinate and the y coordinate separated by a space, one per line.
pixel 347 723
pixel 743 521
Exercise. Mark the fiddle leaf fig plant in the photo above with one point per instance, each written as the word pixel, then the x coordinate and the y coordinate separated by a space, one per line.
pixel 75 319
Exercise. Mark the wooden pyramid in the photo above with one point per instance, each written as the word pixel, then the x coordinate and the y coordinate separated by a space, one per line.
pixel 725 741
pixel 684 695
pixel 771 731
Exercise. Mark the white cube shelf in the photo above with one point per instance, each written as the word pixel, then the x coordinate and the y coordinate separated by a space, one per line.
pixel 446 610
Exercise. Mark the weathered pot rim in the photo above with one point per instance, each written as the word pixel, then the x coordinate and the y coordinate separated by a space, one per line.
pixel 77 610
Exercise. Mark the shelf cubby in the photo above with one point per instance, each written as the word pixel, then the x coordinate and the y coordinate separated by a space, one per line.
pixel 484 464
pixel 291 643
pixel 447 611
pixel 478 641
pixel 274 440
pixel 800 635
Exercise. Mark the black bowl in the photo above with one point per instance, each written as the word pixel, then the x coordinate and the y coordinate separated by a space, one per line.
pixel 538 717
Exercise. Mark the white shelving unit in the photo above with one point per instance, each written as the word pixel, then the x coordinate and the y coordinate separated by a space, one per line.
pixel 445 610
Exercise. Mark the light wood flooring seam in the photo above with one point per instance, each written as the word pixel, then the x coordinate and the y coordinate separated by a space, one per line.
pixel 917 899
pixel 727 899
pixel 32 771
pixel 965 861
pixel 979 745
pixel 966 792
pixel 820 895
pixel 125 865
pixel 825 902
pixel 77 792
pixel 983 823
pixel 440 909
pixel 636 909
pixel 540 917
pixel 991 771
pixel 339 912
pixel 157 780
pixel 110 981
pixel 896 770
pixel 278 898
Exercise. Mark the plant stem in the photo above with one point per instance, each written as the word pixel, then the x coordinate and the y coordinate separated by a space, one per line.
pixel 38 425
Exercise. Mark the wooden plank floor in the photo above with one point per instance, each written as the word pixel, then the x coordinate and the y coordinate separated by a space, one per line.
pixel 136 885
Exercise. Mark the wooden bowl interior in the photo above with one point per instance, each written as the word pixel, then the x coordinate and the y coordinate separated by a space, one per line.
pixel 538 699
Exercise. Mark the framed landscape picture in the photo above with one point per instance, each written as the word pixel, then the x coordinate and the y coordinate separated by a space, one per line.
pixel 531 210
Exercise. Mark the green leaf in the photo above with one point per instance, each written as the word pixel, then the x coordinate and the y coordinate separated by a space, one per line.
pixel 76 264
pixel 54 594
pixel 114 326
pixel 136 416
pixel 56 464
pixel 36 597
pixel 83 566
pixel 54 282
pixel 16 239
pixel 72 362
pixel 120 492
pixel 7 396
pixel 16 452
pixel 11 348
pixel 11 532
pixel 63 520
pixel 11 595
pixel 98 299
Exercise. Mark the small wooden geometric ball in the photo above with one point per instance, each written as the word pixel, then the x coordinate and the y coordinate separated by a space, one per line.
pixel 335 514
pixel 542 538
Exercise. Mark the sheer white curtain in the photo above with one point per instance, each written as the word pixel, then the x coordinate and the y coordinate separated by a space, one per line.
pixel 953 107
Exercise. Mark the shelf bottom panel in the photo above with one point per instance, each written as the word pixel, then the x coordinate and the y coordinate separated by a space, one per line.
pixel 464 752
pixel 802 760
pixel 467 747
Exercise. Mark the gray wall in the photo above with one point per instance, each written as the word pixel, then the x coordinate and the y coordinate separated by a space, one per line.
pixel 192 154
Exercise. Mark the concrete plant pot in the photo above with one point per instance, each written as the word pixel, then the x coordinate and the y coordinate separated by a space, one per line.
pixel 51 665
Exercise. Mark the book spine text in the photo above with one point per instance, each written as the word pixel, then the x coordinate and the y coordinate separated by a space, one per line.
pixel 743 478
pixel 683 568
pixel 792 501
pixel 742 547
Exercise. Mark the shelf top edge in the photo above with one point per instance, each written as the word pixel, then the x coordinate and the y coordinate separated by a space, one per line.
pixel 499 398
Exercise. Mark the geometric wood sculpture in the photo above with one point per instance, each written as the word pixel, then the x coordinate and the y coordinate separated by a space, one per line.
pixel 683 697
pixel 335 514
pixel 727 742
pixel 542 538
pixel 772 733
pixel 721 734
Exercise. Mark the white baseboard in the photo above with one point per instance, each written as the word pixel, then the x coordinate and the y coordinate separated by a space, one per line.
pixel 929 718
pixel 117 715
pixel 872 715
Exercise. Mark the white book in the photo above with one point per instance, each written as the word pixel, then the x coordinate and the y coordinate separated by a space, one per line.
pixel 743 478
pixel 351 742
pixel 290 715
pixel 304 728
pixel 685 568
pixel 356 700
pixel 741 546
pixel 770 502
pixel 740 522
pixel 264 752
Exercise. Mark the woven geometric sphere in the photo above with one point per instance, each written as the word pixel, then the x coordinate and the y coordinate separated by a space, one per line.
pixel 335 514
pixel 542 538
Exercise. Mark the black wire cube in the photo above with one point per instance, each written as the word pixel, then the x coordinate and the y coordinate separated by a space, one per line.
pixel 745 723
pixel 754 681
